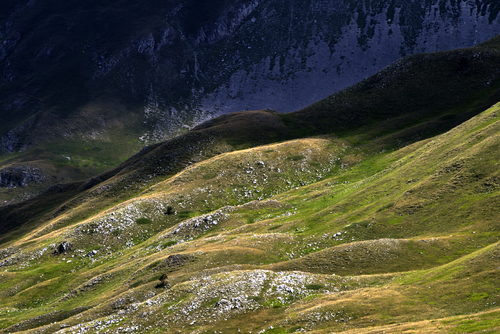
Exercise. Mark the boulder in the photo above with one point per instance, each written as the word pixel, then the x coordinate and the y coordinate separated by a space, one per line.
pixel 63 247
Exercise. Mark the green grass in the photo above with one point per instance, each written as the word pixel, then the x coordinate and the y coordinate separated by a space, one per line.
pixel 484 323
pixel 314 286
pixel 144 221
pixel 169 243
pixel 185 214
pixel 297 157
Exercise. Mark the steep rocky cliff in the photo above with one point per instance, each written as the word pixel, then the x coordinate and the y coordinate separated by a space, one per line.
pixel 182 61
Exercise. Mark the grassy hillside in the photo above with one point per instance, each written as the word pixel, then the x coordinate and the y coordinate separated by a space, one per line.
pixel 301 234
pixel 267 223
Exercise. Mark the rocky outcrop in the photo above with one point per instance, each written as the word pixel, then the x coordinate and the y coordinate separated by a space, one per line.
pixel 62 248
pixel 177 260
pixel 21 176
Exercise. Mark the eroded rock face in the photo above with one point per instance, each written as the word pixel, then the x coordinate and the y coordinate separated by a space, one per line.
pixel 11 177
pixel 326 46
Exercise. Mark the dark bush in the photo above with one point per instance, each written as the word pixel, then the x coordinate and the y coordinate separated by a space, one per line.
pixel 143 221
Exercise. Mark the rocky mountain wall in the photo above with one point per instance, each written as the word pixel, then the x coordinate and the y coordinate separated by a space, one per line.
pixel 181 62
pixel 314 68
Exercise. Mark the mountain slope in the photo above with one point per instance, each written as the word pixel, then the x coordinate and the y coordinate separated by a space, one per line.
pixel 425 208
pixel 308 222
pixel 395 107
pixel 77 79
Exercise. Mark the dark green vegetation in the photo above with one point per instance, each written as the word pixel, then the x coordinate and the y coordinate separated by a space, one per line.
pixel 319 220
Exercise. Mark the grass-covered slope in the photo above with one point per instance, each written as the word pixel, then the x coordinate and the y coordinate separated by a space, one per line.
pixel 309 221
pixel 436 91
pixel 152 164
pixel 311 234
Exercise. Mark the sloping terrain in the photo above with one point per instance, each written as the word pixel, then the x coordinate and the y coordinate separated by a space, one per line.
pixel 402 100
pixel 77 79
pixel 394 238
pixel 267 223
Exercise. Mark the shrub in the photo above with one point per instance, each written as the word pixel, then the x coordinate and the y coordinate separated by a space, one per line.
pixel 163 282
pixel 143 221
pixel 170 210
pixel 314 286
pixel 297 157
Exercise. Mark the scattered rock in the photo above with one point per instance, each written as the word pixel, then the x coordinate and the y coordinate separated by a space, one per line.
pixel 92 253
pixel 21 176
pixel 177 260
pixel 62 248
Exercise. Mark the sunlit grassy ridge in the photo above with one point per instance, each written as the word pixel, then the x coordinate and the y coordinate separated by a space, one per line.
pixel 310 234
pixel 416 98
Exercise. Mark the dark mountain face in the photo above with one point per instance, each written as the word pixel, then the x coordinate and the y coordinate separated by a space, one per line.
pixel 178 62
pixel 140 72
